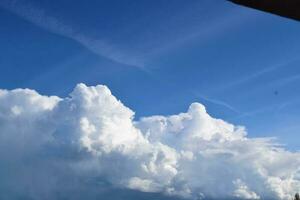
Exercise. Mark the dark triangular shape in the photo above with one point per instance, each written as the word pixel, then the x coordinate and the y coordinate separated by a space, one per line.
pixel 285 8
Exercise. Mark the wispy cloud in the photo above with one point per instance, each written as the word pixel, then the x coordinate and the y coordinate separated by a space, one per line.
pixel 216 102
pixel 275 108
pixel 101 47
pixel 288 103
pixel 279 82
pixel 286 80
pixel 218 25
pixel 256 112
pixel 258 74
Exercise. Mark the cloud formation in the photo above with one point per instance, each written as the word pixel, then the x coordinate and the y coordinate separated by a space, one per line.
pixel 90 140
pixel 98 46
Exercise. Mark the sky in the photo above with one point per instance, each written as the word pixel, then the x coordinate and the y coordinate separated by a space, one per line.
pixel 157 57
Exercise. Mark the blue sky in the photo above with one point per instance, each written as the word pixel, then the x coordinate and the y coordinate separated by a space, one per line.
pixel 160 56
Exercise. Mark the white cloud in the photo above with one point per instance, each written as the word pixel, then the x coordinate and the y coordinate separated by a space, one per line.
pixel 243 191
pixel 49 144
pixel 98 46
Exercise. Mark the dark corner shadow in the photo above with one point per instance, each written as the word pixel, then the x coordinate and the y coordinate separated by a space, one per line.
pixel 285 8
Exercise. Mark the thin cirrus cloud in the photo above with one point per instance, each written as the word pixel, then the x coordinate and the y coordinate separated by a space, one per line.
pixel 205 31
pixel 101 47
pixel 52 146
pixel 257 74
pixel 217 102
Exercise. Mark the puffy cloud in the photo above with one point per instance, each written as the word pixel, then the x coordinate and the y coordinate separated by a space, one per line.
pixel 243 191
pixel 89 141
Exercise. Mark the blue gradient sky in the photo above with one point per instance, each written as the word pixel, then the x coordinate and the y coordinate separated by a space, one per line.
pixel 160 56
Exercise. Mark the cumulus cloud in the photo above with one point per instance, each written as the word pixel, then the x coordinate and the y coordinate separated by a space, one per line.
pixel 90 141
